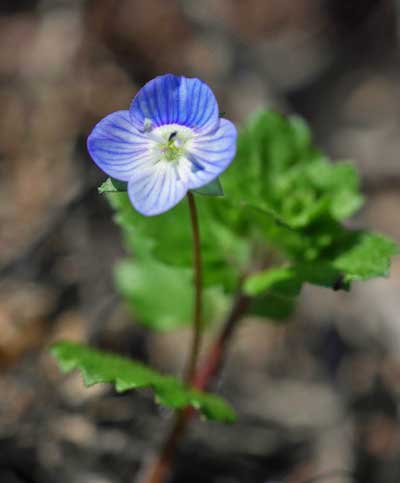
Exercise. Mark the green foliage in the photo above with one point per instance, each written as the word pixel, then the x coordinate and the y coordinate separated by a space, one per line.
pixel 281 172
pixel 274 292
pixel 160 295
pixel 366 256
pixel 168 239
pixel 284 201
pixel 102 367
pixel 362 256
pixel 283 205
pixel 281 281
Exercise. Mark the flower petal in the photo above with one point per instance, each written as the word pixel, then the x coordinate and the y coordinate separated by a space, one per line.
pixel 170 99
pixel 159 188
pixel 117 147
pixel 210 154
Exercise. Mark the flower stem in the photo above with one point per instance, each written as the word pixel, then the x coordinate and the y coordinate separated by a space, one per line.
pixel 159 471
pixel 198 292
pixel 216 354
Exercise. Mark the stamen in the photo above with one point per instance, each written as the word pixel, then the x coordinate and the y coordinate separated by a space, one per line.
pixel 172 141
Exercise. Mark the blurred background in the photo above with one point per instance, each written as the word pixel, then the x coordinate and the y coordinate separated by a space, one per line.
pixel 317 397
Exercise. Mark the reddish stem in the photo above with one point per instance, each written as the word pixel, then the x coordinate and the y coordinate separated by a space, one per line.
pixel 159 472
pixel 217 351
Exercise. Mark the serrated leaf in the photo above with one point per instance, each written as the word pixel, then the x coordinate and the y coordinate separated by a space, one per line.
pixel 211 189
pixel 103 367
pixel 161 296
pixel 368 256
pixel 353 255
pixel 111 185
pixel 277 169
pixel 363 255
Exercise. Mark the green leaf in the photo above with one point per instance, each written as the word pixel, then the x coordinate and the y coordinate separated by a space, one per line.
pixel 211 189
pixel 168 238
pixel 277 169
pixel 161 296
pixel 274 290
pixel 111 185
pixel 366 256
pixel 362 255
pixel 102 367
pixel 272 306
pixel 282 280
pixel 350 256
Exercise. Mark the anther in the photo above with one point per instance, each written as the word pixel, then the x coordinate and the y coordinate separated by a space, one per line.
pixel 172 135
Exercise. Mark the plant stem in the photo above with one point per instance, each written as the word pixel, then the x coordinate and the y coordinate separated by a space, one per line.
pixel 216 354
pixel 198 292
pixel 160 470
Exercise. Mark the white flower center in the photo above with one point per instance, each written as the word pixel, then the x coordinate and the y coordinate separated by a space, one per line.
pixel 171 142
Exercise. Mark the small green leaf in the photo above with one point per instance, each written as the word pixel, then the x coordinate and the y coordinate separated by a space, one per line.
pixel 103 367
pixel 275 292
pixel 361 255
pixel 111 185
pixel 282 280
pixel 367 256
pixel 323 274
pixel 211 189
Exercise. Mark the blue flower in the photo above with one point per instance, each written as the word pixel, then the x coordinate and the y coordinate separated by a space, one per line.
pixel 171 140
